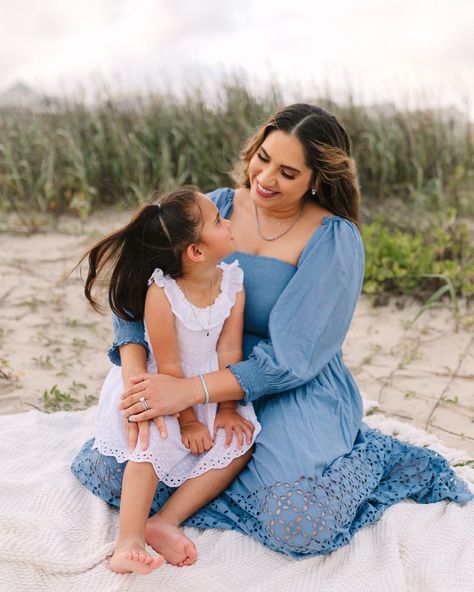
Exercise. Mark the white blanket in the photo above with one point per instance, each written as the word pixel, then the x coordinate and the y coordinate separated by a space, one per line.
pixel 55 535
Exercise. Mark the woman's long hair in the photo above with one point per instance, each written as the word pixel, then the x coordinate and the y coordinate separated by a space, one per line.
pixel 327 151
pixel 157 236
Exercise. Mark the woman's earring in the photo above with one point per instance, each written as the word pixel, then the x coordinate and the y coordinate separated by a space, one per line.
pixel 313 191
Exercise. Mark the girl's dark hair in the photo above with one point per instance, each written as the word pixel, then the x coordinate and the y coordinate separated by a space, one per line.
pixel 157 236
pixel 327 150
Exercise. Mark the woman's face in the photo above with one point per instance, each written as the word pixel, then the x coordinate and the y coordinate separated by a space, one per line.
pixel 278 173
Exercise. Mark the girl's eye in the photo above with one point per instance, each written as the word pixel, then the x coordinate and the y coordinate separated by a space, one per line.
pixel 286 175
pixel 260 155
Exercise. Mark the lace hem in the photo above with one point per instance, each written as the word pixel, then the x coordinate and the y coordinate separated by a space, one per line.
pixel 164 476
pixel 308 514
pixel 231 285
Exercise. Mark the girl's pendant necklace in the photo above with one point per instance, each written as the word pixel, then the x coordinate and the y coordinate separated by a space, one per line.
pixel 206 331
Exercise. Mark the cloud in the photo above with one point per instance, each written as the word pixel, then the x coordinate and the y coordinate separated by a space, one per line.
pixel 35 36
pixel 379 47
pixel 56 40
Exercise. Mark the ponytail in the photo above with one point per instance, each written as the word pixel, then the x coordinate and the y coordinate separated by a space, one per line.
pixel 124 260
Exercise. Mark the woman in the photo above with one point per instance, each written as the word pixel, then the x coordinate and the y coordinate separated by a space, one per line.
pixel 317 474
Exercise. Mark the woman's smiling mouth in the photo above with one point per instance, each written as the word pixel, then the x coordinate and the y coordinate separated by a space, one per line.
pixel 262 191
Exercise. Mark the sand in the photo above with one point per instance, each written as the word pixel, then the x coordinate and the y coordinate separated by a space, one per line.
pixel 53 345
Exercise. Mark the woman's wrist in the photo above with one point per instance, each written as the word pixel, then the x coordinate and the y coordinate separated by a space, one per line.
pixel 221 385
pixel 196 391
pixel 127 376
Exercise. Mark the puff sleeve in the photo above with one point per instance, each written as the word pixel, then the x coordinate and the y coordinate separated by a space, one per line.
pixel 125 332
pixel 310 320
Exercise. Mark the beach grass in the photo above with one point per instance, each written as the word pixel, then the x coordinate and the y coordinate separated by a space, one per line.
pixel 71 154
pixel 416 168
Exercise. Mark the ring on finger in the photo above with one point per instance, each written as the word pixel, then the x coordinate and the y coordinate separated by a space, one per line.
pixel 144 403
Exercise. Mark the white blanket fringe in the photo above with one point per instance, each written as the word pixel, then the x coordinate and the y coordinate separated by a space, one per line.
pixel 56 536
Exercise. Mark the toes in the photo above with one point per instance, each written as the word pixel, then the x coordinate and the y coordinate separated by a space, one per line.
pixel 156 561
pixel 187 561
pixel 191 552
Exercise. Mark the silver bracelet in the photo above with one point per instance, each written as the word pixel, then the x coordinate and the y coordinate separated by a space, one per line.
pixel 206 392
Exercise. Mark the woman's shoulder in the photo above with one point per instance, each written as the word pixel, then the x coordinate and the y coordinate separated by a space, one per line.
pixel 340 225
pixel 223 197
pixel 339 234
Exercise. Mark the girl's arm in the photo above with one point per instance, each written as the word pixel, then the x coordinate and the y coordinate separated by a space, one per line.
pixel 229 351
pixel 229 345
pixel 160 323
pixel 133 361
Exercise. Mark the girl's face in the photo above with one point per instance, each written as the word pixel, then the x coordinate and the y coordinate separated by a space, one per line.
pixel 278 173
pixel 216 233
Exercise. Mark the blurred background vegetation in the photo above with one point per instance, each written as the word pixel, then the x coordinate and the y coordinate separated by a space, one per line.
pixel 416 170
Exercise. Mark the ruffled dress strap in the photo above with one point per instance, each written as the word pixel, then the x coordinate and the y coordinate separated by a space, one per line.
pixel 194 317
pixel 179 305
pixel 159 278
pixel 231 284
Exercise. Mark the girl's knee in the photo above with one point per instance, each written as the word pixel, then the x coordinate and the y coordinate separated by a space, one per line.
pixel 241 461
pixel 247 455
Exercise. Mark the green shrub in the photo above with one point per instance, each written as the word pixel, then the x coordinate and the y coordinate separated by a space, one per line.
pixel 399 262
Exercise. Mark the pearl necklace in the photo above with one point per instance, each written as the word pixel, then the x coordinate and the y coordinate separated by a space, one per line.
pixel 273 238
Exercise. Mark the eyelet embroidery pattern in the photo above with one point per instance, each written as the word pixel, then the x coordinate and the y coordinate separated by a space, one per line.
pixel 189 470
pixel 310 515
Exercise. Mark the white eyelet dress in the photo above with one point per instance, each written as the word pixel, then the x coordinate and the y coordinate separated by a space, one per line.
pixel 172 461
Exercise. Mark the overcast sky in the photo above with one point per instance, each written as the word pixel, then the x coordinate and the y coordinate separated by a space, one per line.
pixel 381 49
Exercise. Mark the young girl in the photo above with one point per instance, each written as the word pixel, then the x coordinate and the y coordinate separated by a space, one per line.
pixel 165 268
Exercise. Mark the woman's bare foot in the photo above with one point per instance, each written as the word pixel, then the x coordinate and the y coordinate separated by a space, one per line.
pixel 170 542
pixel 130 556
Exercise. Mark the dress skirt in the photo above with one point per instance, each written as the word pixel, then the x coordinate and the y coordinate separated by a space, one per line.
pixel 287 497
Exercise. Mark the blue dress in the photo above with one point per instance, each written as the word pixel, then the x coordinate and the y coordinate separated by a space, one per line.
pixel 318 473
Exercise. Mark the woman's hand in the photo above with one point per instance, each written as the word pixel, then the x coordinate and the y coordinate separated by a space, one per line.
pixel 164 395
pixel 141 430
pixel 231 421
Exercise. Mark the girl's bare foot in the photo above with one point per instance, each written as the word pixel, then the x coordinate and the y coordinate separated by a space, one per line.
pixel 130 556
pixel 169 541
